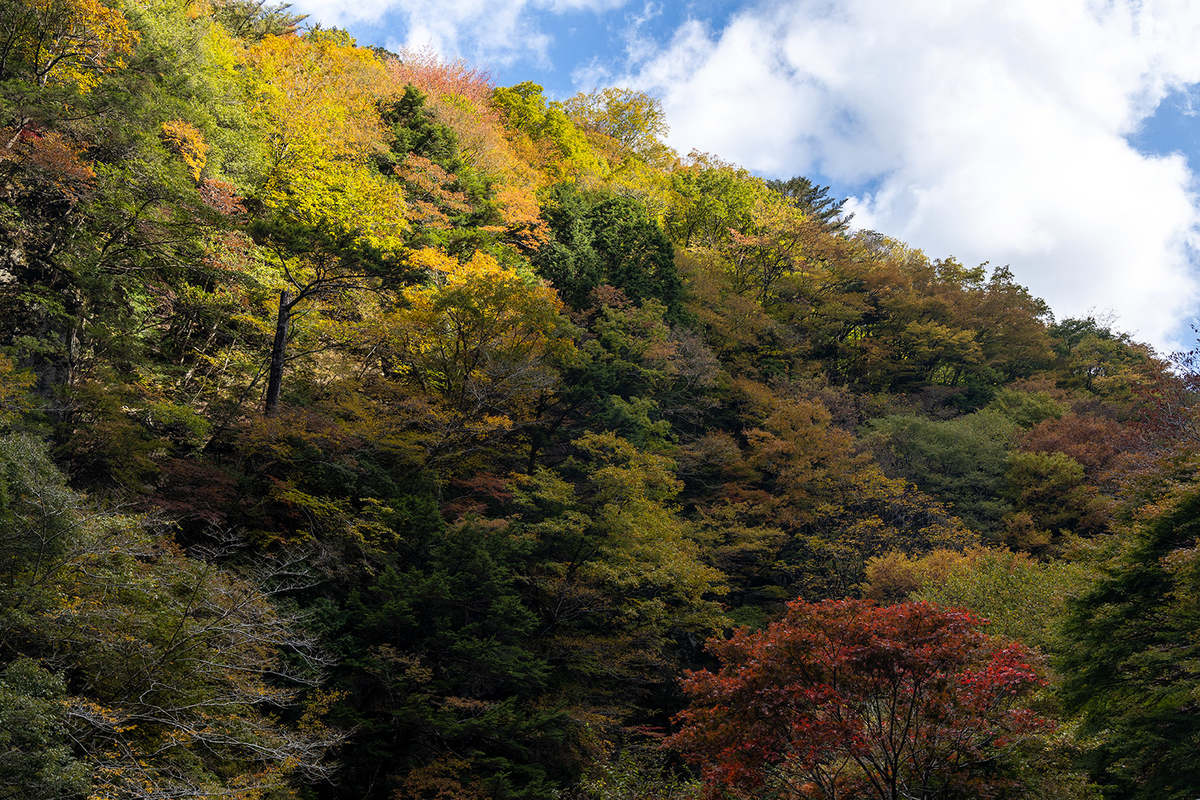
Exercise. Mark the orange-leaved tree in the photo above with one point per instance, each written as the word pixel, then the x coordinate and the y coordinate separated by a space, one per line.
pixel 459 97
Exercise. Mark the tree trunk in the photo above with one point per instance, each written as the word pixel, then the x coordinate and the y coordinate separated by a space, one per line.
pixel 278 353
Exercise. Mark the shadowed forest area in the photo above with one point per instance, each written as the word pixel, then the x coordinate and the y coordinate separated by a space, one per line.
pixel 372 431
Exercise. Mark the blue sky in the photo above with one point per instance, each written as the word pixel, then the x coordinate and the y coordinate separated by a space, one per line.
pixel 1060 137
pixel 1173 127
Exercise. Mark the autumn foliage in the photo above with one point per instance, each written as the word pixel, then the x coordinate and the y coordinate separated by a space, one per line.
pixel 449 420
pixel 845 699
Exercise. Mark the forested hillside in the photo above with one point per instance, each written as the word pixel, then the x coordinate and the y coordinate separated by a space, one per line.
pixel 373 431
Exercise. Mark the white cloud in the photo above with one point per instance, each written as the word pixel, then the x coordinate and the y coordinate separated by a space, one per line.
pixel 988 129
pixel 639 45
pixel 488 31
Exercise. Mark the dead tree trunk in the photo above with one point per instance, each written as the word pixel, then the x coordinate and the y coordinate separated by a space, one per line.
pixel 283 325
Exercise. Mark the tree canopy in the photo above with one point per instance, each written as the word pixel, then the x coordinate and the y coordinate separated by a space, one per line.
pixel 372 430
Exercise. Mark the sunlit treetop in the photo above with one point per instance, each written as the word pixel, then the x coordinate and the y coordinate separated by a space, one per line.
pixel 62 42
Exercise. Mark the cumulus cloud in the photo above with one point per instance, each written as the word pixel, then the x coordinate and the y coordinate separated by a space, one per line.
pixel 490 31
pixel 987 129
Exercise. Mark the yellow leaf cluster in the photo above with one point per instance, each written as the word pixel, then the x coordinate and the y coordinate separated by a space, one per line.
pixel 346 195
pixel 187 142
pixel 473 348
pixel 63 42
pixel 319 93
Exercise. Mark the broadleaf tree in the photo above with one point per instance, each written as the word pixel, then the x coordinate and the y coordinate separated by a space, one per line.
pixel 843 699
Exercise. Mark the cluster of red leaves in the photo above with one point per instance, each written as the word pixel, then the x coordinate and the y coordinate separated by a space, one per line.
pixel 426 70
pixel 52 160
pixel 222 197
pixel 476 495
pixel 845 699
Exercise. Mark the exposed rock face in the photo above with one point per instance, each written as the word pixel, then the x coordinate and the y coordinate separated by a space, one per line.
pixel 12 264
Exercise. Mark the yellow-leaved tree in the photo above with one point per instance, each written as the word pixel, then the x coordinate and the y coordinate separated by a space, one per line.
pixel 626 127
pixel 64 42
pixel 331 221
pixel 480 343
pixel 545 135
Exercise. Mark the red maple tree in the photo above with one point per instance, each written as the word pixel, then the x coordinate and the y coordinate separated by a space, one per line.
pixel 843 699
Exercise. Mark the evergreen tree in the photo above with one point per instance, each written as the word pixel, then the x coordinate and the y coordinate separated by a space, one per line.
pixel 1132 669
pixel 815 201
